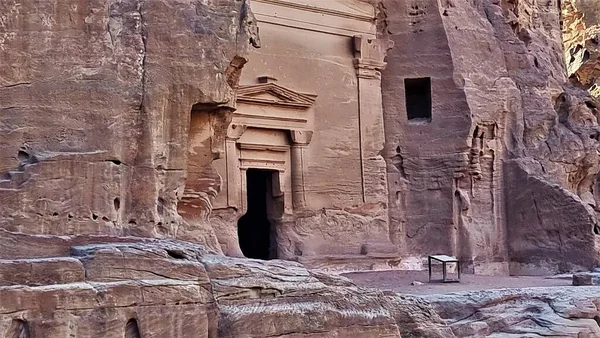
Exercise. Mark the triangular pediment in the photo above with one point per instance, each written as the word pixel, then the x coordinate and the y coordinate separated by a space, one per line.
pixel 274 94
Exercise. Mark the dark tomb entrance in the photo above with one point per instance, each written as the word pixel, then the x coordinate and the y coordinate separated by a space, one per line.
pixel 418 99
pixel 255 230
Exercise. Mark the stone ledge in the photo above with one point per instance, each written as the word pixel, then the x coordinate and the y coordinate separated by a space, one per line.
pixel 43 271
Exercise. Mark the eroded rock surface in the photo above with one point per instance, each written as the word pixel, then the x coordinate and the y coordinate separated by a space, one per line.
pixel 95 101
pixel 581 33
pixel 506 163
pixel 166 288
pixel 535 312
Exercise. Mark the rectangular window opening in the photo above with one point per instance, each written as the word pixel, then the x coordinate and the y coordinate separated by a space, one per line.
pixel 418 99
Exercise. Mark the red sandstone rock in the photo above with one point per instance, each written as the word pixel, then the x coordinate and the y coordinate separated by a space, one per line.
pixel 581 33
pixel 115 121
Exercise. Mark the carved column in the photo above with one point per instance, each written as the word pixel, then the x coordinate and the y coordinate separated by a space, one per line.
pixel 300 139
pixel 370 54
pixel 234 197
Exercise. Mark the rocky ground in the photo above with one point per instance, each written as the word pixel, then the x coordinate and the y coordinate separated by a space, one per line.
pixel 402 282
pixel 500 306
pixel 139 287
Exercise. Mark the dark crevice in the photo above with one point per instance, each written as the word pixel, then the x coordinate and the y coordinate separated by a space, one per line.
pixel 22 156
pixel 160 205
pixel 19 329
pixel 590 105
pixel 132 330
pixel 176 254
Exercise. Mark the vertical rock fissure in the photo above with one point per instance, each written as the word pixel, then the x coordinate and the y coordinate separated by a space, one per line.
pixel 144 36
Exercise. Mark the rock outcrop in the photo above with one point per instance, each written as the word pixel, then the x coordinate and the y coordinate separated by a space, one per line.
pixel 169 288
pixel 535 312
pixel 506 164
pixel 97 287
pixel 95 101
pixel 581 33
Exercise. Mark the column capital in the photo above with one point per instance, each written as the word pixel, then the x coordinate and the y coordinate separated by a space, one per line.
pixel 235 131
pixel 369 56
pixel 301 137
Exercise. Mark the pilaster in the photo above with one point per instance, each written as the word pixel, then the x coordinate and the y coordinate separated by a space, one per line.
pixel 234 179
pixel 300 140
pixel 369 61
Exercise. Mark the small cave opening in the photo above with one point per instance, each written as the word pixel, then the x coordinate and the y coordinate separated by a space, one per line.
pixel 23 156
pixel 160 206
pixel 590 105
pixel 117 203
pixel 596 230
pixel 19 329
pixel 175 254
pixel 132 329
pixel 255 231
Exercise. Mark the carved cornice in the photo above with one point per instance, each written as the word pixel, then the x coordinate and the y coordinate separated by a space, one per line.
pixel 282 96
pixel 262 164
pixel 368 69
pixel 268 147
pixel 272 122
pixel 319 10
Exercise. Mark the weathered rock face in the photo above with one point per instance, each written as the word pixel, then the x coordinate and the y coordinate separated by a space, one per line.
pixel 166 288
pixel 115 120
pixel 97 287
pixel 96 100
pixel 581 30
pixel 552 147
pixel 535 312
pixel 503 168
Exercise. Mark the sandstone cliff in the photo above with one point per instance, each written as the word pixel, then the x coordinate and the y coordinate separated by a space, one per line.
pixel 95 101
pixel 510 155
pixel 581 33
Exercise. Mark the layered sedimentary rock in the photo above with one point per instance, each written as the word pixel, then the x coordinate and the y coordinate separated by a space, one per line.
pixel 96 99
pixel 503 168
pixel 164 288
pixel 117 119
pixel 581 30
pixel 138 287
pixel 535 312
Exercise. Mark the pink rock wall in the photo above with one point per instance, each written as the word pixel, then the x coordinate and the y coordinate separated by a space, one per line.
pixel 96 99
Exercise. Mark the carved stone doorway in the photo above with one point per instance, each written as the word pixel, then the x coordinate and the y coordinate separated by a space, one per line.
pixel 257 228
